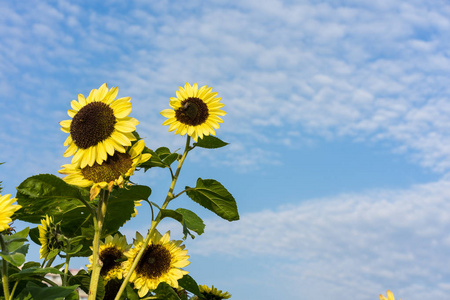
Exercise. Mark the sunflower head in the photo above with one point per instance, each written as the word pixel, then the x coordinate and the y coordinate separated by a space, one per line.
pixel 161 262
pixel 195 111
pixel 99 126
pixel 7 209
pixel 49 236
pixel 116 168
pixel 112 255
pixel 212 293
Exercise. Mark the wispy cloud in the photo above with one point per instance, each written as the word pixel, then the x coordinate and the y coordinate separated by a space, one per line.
pixel 369 71
pixel 352 244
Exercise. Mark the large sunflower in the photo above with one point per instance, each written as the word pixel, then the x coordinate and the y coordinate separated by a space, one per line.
pixel 7 210
pixel 99 126
pixel 48 236
pixel 194 111
pixel 112 255
pixel 161 262
pixel 113 169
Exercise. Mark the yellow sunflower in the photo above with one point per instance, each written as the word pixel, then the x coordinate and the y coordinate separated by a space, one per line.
pixel 112 255
pixel 48 236
pixel 99 126
pixel 161 262
pixel 7 210
pixel 113 169
pixel 194 111
pixel 213 293
pixel 389 294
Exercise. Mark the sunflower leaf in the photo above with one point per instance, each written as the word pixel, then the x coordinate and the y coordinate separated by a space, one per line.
pixel 210 142
pixel 179 217
pixel 15 258
pixel 166 292
pixel 190 285
pixel 16 240
pixel 49 293
pixel 212 195
pixel 193 222
pixel 33 272
pixel 45 194
pixel 121 206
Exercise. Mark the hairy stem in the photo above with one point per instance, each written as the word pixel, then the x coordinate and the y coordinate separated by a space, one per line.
pixel 158 218
pixel 4 270
pixel 98 226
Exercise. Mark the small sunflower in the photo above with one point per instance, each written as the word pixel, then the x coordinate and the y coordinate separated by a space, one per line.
pixel 7 210
pixel 213 293
pixel 48 236
pixel 112 255
pixel 113 169
pixel 99 126
pixel 161 262
pixel 194 111
pixel 389 294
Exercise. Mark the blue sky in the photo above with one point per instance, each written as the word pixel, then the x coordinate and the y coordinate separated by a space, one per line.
pixel 338 123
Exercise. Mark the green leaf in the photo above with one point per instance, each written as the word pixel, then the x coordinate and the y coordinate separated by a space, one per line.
pixel 193 222
pixel 121 206
pixel 176 216
pixel 161 158
pixel 166 292
pixel 212 195
pixel 49 293
pixel 34 272
pixel 210 142
pixel 47 194
pixel 15 258
pixel 16 240
pixel 189 284
pixel 168 160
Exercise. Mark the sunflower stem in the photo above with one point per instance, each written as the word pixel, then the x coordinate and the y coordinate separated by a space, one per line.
pixel 4 270
pixel 66 268
pixel 158 219
pixel 98 226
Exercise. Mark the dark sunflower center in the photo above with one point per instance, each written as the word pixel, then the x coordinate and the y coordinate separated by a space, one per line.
pixel 110 258
pixel 92 124
pixel 193 111
pixel 155 262
pixel 109 170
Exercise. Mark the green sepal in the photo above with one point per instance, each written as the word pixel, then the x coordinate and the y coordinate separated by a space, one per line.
pixel 190 285
pixel 210 142
pixel 212 195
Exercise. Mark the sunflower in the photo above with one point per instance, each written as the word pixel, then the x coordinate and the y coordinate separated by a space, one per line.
pixel 213 293
pixel 112 255
pixel 7 210
pixel 160 262
pixel 99 126
pixel 389 294
pixel 194 111
pixel 48 236
pixel 113 169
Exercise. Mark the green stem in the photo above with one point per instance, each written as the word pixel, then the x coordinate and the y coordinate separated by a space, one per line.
pixel 158 219
pixel 14 289
pixel 66 268
pixel 98 226
pixel 4 270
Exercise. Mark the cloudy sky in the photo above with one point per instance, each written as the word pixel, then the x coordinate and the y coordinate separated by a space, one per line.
pixel 338 119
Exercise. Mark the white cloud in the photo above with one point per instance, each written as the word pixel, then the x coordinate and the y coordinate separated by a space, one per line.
pixel 352 244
